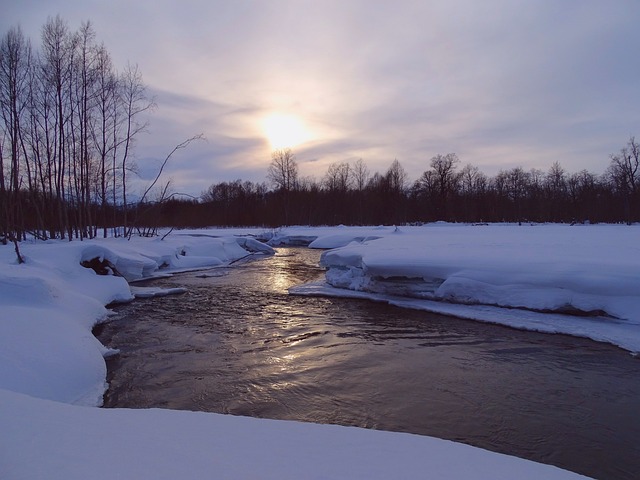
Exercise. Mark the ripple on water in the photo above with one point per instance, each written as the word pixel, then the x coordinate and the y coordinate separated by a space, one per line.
pixel 237 343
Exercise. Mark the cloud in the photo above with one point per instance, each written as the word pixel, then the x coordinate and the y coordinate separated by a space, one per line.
pixel 502 83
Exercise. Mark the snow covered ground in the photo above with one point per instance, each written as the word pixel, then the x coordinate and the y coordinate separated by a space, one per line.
pixel 581 280
pixel 52 371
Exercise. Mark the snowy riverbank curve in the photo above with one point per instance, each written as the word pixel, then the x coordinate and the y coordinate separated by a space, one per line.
pixel 48 306
pixel 562 272
pixel 577 280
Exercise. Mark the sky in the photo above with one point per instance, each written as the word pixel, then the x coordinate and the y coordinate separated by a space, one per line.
pixel 501 83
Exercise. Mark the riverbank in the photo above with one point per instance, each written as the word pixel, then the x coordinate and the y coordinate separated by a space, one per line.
pixel 52 365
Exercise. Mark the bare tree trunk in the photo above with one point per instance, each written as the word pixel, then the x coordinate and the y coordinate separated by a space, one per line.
pixel 135 103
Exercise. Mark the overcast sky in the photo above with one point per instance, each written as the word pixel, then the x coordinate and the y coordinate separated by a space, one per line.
pixel 501 83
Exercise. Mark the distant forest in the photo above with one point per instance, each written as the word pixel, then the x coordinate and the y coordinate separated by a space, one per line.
pixel 351 194
pixel 68 125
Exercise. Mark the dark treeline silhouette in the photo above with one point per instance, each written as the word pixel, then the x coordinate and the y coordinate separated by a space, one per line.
pixel 69 121
pixel 349 194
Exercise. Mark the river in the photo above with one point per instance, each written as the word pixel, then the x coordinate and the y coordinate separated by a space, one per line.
pixel 238 343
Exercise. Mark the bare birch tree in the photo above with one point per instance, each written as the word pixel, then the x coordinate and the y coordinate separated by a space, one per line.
pixel 15 63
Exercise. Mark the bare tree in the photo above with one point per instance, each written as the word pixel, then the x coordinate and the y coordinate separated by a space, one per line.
pixel 473 185
pixel 283 170
pixel 517 185
pixel 438 184
pixel 444 166
pixel 395 182
pixel 555 188
pixel 360 175
pixel 15 65
pixel 283 174
pixel 397 178
pixel 164 189
pixel 83 97
pixel 338 177
pixel 472 180
pixel 57 61
pixel 624 174
pixel 426 184
pixel 105 122
pixel 134 102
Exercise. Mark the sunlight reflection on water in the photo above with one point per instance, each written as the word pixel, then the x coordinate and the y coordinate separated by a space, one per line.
pixel 239 344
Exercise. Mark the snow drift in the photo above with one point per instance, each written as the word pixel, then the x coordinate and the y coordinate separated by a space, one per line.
pixel 50 304
pixel 586 277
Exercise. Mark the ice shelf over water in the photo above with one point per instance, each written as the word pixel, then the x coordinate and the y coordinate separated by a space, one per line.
pixel 578 280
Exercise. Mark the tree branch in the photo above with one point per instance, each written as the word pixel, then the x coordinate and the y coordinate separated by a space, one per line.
pixel 166 160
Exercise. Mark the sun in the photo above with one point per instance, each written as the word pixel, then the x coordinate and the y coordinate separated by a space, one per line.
pixel 285 131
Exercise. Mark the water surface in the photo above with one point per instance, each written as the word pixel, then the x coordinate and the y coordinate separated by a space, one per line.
pixel 237 343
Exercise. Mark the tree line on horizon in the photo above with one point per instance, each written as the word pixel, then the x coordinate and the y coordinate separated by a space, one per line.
pixel 68 125
pixel 351 194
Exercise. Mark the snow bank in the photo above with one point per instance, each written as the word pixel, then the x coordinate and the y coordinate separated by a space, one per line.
pixel 323 237
pixel 141 258
pixel 48 307
pixel 592 271
pixel 50 304
pixel 44 439
pixel 341 240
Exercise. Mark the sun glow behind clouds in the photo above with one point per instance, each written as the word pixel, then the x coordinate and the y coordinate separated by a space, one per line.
pixel 285 131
